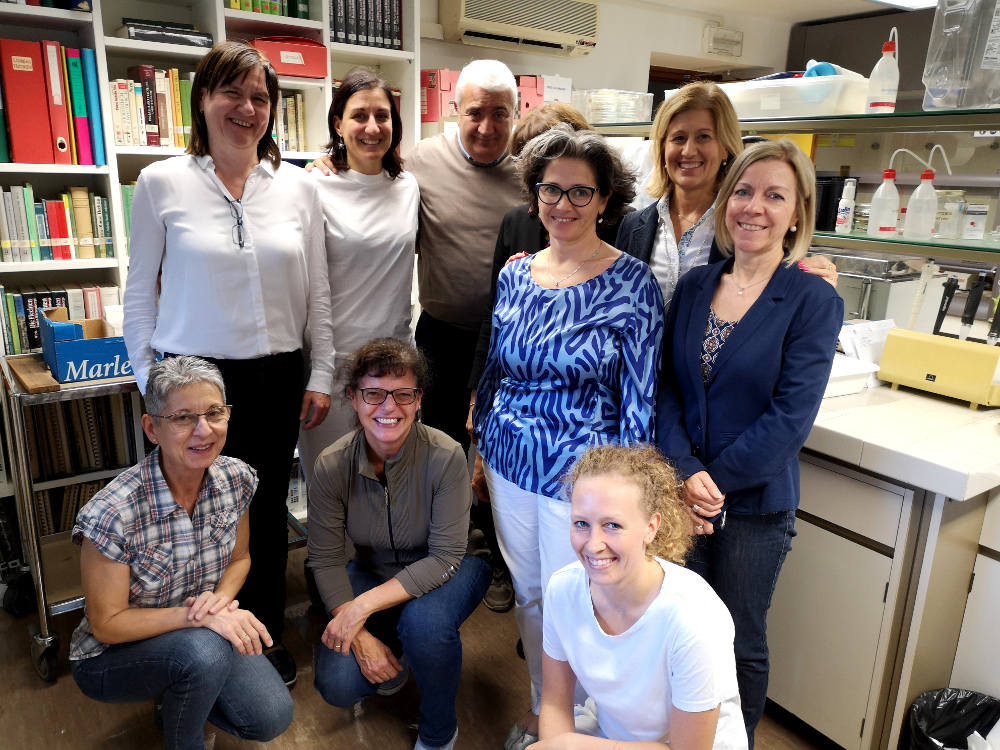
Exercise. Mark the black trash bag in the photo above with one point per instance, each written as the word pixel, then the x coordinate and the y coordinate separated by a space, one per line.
pixel 946 718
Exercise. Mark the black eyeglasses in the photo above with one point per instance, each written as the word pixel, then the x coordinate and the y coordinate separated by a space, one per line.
pixel 579 195
pixel 402 396
pixel 238 215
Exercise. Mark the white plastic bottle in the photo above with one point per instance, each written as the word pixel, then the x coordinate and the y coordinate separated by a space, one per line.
pixel 845 209
pixel 883 83
pixel 921 209
pixel 885 207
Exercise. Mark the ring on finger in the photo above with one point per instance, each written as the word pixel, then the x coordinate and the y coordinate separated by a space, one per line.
pixel 246 637
pixel 696 508
pixel 700 527
pixel 337 647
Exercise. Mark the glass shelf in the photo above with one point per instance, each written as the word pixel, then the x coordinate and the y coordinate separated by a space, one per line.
pixel 980 250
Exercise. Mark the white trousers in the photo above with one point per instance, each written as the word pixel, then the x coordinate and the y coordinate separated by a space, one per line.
pixel 533 531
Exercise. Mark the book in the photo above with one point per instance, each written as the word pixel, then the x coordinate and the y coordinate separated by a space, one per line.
pixel 70 120
pixel 178 117
pixel 127 192
pixel 12 228
pixel 4 143
pixel 146 33
pixel 78 103
pixel 33 333
pixel 293 131
pixel 177 25
pixel 110 295
pixel 138 115
pixel 59 230
pixel 93 99
pixel 303 6
pixel 351 22
pixel 67 200
pixel 162 110
pixel 146 75
pixel 98 223
pixel 7 344
pixel 59 112
pixel 5 233
pixel 74 302
pixel 11 318
pixel 30 232
pixel 124 95
pixel 338 21
pixel 84 228
pixel 42 227
pixel 116 113
pixel 27 103
pixel 362 16
pixel 300 121
pixel 185 85
pixel 396 7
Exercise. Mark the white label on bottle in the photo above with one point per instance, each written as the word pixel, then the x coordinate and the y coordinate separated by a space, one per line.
pixel 770 101
pixel 292 58
pixel 991 55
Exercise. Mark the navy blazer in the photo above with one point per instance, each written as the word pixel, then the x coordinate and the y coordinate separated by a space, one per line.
pixel 637 234
pixel 746 426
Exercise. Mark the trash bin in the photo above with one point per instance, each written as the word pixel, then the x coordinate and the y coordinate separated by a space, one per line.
pixel 945 718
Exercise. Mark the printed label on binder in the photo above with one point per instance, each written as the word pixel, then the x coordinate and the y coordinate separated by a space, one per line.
pixel 21 63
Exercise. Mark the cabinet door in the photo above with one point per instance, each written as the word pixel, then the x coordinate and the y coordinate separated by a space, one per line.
pixel 823 631
pixel 977 661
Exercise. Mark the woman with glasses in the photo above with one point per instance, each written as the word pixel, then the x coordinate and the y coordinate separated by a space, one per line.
pixel 399 490
pixel 165 551
pixel 573 362
pixel 228 263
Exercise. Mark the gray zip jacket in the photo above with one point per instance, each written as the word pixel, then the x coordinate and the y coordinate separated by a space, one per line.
pixel 416 529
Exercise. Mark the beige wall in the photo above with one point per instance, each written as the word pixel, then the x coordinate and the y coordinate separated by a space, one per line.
pixel 632 35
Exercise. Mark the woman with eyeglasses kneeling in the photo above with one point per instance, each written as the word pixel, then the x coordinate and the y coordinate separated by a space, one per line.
pixel 228 263
pixel 649 641
pixel 573 363
pixel 165 550
pixel 400 491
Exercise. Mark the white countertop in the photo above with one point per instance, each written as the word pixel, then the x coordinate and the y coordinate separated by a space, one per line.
pixel 920 439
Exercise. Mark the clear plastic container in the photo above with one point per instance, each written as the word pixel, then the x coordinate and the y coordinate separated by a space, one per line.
pixel 950 214
pixel 816 96
pixel 612 105
pixel 962 69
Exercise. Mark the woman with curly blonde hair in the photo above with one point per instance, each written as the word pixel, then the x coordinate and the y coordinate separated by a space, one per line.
pixel 649 641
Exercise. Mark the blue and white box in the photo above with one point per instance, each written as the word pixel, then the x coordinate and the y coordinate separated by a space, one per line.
pixel 77 350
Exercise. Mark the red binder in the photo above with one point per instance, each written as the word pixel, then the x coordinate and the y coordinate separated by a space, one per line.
pixel 27 108
pixel 55 89
pixel 58 230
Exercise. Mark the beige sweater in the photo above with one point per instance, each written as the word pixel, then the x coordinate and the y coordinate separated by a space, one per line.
pixel 461 208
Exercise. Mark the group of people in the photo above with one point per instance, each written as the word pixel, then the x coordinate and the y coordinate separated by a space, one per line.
pixel 280 303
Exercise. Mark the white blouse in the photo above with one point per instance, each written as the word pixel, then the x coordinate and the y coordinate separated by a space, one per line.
pixel 671 259
pixel 217 299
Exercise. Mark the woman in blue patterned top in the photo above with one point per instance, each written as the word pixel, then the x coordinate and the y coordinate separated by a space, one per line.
pixel 573 362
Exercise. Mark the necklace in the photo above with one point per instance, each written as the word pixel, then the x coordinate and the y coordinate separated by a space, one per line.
pixel 548 267
pixel 685 219
pixel 744 288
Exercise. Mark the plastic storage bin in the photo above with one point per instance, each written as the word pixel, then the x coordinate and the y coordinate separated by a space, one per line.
pixel 962 68
pixel 797 97
pixel 612 105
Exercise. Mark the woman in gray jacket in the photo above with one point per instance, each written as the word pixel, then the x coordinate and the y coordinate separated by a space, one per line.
pixel 400 491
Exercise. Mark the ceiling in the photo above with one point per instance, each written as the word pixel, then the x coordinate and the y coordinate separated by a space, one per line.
pixel 790 11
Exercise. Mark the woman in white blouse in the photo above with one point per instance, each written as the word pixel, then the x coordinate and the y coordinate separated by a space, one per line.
pixel 228 263
pixel 370 205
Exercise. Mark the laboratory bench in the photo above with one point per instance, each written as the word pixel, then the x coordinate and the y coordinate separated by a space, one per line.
pixel 877 602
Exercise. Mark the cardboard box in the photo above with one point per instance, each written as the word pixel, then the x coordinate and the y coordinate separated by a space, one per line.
pixel 82 349
pixel 532 93
pixel 294 56
pixel 437 94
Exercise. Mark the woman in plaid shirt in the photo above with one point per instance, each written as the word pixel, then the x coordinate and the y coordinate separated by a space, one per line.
pixel 165 550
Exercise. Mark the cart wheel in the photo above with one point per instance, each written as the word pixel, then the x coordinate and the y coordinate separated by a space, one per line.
pixel 47 664
pixel 19 598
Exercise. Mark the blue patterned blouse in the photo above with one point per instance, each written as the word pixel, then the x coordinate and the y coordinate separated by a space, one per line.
pixel 567 369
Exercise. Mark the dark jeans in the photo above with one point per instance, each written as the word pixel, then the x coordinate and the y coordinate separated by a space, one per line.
pixel 201 677
pixel 741 562
pixel 266 395
pixel 426 631
pixel 451 351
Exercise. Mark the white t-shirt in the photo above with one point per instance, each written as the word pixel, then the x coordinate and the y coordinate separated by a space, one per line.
pixel 680 653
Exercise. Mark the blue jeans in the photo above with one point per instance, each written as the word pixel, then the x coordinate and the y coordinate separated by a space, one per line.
pixel 426 631
pixel 201 677
pixel 741 561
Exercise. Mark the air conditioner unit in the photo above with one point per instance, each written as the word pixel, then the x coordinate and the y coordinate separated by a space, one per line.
pixel 550 27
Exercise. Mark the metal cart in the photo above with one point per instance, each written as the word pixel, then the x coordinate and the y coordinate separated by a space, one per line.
pixel 53 561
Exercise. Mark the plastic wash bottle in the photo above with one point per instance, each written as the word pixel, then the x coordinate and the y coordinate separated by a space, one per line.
pixel 921 210
pixel 845 209
pixel 885 207
pixel 883 83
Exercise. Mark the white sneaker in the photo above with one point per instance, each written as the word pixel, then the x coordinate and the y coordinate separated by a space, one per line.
pixel 449 745
pixel 519 738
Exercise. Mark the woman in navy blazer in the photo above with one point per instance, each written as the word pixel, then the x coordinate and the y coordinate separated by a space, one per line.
pixel 748 348
pixel 695 135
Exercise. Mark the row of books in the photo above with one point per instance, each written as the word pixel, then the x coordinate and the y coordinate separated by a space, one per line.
pixel 288 8
pixel 56 509
pixel 52 105
pixel 163 32
pixel 79 436
pixel 152 107
pixel 290 124
pixel 21 308
pixel 75 225
pixel 371 23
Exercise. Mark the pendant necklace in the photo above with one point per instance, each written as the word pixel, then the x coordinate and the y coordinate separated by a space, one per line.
pixel 548 267
pixel 744 288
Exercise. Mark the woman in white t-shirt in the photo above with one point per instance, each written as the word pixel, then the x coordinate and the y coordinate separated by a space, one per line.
pixel 650 642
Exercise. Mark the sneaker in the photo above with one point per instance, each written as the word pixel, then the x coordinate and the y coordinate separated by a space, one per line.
pixel 519 738
pixel 500 595
pixel 283 662
pixel 449 745
pixel 393 686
